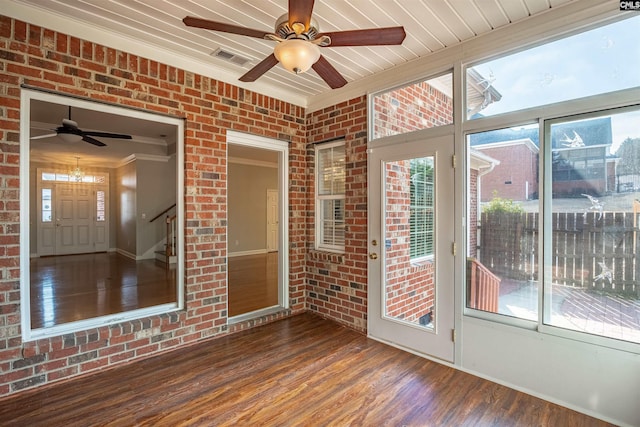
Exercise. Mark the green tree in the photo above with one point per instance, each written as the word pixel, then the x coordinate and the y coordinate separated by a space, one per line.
pixel 629 153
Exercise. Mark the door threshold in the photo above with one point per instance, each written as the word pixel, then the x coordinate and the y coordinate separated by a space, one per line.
pixel 254 314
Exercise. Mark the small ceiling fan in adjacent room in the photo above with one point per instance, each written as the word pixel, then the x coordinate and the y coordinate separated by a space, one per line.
pixel 70 132
pixel 299 40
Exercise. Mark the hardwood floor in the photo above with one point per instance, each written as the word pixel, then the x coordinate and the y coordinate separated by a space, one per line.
pixel 253 282
pixel 301 371
pixel 77 287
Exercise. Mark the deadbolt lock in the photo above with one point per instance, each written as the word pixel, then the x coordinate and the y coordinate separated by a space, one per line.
pixel 373 255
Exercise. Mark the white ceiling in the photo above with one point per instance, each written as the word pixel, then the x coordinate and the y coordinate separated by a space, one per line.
pixel 154 29
pixel 155 26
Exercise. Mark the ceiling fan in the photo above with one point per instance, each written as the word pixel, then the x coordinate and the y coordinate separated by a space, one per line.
pixel 70 132
pixel 298 40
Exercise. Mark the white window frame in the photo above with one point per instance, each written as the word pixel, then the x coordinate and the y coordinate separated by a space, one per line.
pixel 319 199
pixel 30 334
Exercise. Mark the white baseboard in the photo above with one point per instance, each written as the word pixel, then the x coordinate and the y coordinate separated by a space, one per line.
pixel 126 253
pixel 245 253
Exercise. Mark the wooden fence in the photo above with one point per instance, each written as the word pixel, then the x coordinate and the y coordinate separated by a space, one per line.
pixel 588 250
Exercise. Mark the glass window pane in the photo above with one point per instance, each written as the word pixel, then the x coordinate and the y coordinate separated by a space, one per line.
pixel 502 173
pixel 100 206
pixel 593 285
pixel 46 205
pixel 332 222
pixel 331 170
pixel 590 63
pixel 414 107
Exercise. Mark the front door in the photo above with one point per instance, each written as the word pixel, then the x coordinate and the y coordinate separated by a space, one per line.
pixel 411 236
pixel 72 218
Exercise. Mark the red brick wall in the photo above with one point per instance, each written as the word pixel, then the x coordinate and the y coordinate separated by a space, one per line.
pixel 414 107
pixel 518 165
pixel 337 283
pixel 46 59
pixel 409 288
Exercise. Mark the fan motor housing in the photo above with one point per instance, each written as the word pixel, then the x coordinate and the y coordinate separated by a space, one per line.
pixel 284 30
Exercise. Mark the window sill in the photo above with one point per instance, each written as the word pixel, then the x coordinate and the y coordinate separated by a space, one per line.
pixel 332 257
pixel 421 265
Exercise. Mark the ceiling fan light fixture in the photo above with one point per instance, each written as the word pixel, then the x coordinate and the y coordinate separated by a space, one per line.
pixel 70 137
pixel 297 55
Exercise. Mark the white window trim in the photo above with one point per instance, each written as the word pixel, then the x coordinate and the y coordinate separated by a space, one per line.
pixel 318 217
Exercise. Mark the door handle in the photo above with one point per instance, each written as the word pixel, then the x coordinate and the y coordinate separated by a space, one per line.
pixel 373 255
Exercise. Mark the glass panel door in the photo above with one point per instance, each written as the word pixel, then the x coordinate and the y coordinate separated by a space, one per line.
pixel 411 236
pixel 409 288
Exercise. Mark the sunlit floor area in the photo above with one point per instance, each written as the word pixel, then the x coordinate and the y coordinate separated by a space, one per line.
pixel 582 310
pixel 78 287
pixel 253 282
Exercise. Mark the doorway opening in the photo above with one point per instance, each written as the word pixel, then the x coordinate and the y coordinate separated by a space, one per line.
pixel 257 226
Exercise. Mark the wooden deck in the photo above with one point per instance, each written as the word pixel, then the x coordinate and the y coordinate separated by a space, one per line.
pixel 301 371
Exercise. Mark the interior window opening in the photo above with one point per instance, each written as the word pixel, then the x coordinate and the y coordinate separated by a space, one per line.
pixel 104 238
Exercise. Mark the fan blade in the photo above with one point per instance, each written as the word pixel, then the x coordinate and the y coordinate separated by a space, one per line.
pixel 190 21
pixel 106 135
pixel 93 141
pixel 265 65
pixel 49 135
pixel 300 11
pixel 368 37
pixel 329 74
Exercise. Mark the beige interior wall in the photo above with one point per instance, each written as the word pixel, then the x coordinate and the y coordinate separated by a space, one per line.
pixel 247 197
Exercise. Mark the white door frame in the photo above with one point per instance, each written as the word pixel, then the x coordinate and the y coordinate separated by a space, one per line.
pixel 272 219
pixel 282 149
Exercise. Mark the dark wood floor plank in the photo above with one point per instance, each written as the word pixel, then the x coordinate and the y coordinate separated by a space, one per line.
pixel 299 371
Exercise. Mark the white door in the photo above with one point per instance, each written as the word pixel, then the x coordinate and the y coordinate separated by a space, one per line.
pixel 74 218
pixel 411 235
pixel 272 220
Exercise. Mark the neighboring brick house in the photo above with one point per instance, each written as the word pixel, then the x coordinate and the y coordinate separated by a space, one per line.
pixel 581 161
pixel 515 180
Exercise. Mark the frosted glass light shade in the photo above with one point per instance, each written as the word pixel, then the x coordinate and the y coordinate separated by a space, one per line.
pixel 297 55
pixel 70 137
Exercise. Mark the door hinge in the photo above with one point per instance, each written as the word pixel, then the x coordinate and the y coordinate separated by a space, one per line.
pixel 453 161
pixel 453 248
pixel 453 335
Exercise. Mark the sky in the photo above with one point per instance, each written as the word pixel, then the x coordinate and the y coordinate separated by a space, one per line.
pixel 597 61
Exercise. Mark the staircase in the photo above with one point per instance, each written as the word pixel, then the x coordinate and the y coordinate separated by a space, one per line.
pixel 168 256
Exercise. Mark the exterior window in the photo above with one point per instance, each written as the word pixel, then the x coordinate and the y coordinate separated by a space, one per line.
pixel 417 106
pixel 553 207
pixel 100 206
pixel 594 62
pixel 592 228
pixel 330 189
pixel 422 209
pixel 502 273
